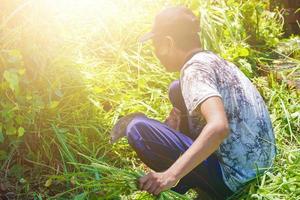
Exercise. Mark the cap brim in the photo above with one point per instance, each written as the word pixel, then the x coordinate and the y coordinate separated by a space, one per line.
pixel 146 37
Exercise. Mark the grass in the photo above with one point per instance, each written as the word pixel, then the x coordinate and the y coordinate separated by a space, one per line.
pixel 71 69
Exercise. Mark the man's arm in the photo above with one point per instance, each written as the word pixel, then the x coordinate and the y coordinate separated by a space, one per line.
pixel 212 135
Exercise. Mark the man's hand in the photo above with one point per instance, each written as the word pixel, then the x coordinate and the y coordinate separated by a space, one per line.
pixel 156 182
pixel 173 120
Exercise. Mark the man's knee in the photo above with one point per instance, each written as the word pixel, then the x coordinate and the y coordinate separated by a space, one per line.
pixel 174 90
pixel 136 130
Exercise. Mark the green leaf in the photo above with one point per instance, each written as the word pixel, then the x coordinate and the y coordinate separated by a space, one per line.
pixel 245 67
pixel 16 170
pixel 53 104
pixel 19 119
pixel 81 196
pixel 48 183
pixel 1 135
pixel 12 79
pixel 3 155
pixel 28 97
pixel 243 52
pixel 59 93
pixel 22 71
pixel 11 130
pixel 15 57
pixel 259 9
pixel 21 131
pixel 22 180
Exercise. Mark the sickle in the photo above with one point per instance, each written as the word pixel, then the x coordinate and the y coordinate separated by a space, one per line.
pixel 119 129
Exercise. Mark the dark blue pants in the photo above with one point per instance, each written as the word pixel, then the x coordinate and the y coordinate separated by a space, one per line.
pixel 159 146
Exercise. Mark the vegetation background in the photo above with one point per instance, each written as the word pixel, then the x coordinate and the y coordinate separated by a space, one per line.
pixel 70 69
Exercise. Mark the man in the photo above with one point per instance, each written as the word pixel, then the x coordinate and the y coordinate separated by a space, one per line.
pixel 218 135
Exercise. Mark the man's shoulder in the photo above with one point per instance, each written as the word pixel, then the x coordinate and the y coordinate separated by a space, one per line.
pixel 203 58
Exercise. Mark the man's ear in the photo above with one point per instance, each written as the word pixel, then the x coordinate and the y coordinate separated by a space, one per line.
pixel 166 46
pixel 170 43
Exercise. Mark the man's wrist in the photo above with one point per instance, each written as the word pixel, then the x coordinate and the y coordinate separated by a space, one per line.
pixel 175 176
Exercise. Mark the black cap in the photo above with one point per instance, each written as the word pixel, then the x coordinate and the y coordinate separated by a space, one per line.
pixel 177 20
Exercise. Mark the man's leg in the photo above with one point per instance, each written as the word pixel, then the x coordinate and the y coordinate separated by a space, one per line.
pixel 159 146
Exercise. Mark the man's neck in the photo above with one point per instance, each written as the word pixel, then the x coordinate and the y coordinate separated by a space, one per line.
pixel 189 55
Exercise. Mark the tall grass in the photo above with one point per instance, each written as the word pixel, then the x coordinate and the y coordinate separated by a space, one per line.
pixel 68 72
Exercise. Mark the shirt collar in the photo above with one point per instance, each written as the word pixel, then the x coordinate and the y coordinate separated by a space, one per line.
pixel 190 55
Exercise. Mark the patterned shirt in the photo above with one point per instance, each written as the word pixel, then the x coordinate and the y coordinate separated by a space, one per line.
pixel 250 147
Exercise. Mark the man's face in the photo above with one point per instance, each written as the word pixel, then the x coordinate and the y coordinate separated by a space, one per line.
pixel 165 51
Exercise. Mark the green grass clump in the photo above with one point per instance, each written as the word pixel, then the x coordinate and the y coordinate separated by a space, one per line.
pixel 98 180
